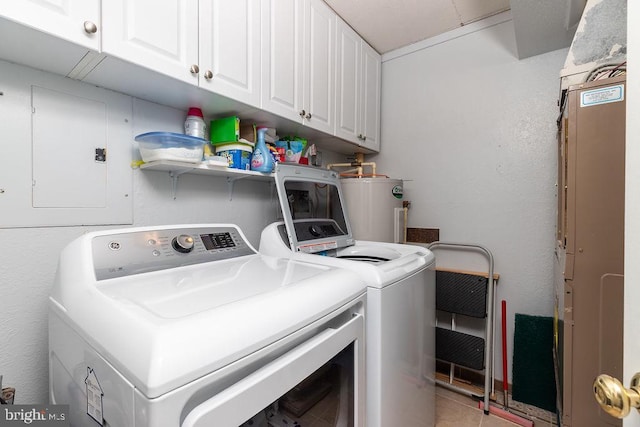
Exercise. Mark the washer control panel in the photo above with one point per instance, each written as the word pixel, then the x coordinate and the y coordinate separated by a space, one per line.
pixel 134 252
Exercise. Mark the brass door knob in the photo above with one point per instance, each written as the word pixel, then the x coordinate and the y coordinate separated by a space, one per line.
pixel 614 398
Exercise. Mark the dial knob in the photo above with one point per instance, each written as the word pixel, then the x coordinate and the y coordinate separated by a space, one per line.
pixel 315 231
pixel 183 243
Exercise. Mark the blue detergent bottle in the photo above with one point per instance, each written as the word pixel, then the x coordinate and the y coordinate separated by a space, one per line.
pixel 261 160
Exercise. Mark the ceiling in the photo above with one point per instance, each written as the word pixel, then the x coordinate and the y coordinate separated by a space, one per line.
pixel 540 25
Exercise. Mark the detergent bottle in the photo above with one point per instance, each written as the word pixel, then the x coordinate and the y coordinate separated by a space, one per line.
pixel 261 160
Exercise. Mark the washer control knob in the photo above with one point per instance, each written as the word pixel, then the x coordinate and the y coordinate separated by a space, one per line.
pixel 183 243
pixel 315 231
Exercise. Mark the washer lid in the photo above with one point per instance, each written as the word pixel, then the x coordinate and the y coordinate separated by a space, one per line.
pixel 379 263
pixel 313 208
pixel 165 328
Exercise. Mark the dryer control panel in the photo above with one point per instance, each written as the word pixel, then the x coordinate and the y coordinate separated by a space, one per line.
pixel 134 252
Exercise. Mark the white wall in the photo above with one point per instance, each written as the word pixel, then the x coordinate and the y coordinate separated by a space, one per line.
pixel 471 129
pixel 29 255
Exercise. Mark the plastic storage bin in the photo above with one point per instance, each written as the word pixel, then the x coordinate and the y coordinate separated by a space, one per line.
pixel 170 146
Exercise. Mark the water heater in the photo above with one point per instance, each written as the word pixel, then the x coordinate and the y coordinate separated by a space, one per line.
pixel 374 206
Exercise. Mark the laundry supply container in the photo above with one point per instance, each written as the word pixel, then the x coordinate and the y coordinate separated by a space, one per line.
pixel 155 146
pixel 238 154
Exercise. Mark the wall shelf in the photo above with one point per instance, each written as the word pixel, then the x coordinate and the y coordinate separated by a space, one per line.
pixel 176 169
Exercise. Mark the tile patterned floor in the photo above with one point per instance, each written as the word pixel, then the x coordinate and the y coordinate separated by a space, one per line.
pixel 452 410
pixel 456 410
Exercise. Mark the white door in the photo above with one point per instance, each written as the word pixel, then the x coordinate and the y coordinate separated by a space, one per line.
pixel 75 20
pixel 230 49
pixel 160 36
pixel 347 123
pixel 319 74
pixel 632 210
pixel 259 389
pixel 282 62
pixel 371 75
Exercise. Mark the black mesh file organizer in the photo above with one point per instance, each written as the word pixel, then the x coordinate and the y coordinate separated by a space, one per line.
pixel 461 293
pixel 460 348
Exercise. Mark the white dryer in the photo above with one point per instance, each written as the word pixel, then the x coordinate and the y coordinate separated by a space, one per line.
pixel 400 317
pixel 190 326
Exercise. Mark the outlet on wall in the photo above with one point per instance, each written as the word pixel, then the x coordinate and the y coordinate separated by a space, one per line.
pixel 8 394
pixel 316 159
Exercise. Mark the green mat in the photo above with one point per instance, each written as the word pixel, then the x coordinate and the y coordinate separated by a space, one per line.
pixel 533 373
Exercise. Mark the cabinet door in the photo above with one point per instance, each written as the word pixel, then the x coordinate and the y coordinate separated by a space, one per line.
pixel 348 82
pixel 319 74
pixel 161 36
pixel 230 48
pixel 64 19
pixel 371 70
pixel 282 62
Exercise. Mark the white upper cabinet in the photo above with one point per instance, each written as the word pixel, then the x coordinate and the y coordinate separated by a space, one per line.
pixel 161 36
pixel 357 89
pixel 77 21
pixel 298 50
pixel 230 48
pixel 282 64
pixel 294 59
pixel 319 71
pixel 348 82
pixel 211 43
pixel 370 98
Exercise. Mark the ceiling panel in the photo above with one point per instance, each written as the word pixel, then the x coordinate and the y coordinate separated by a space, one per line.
pixel 389 24
pixel 540 25
pixel 474 10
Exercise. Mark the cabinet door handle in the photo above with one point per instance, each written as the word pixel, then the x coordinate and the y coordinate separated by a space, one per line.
pixel 90 27
pixel 308 116
pixel 302 113
pixel 194 69
pixel 208 75
pixel 360 136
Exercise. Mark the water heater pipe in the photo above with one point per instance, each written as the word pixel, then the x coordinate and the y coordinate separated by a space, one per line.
pixel 357 165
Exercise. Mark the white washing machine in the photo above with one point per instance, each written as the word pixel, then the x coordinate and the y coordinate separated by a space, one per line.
pixel 400 318
pixel 190 326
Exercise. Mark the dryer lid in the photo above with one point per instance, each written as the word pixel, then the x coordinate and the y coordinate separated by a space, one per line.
pixel 165 327
pixel 313 208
